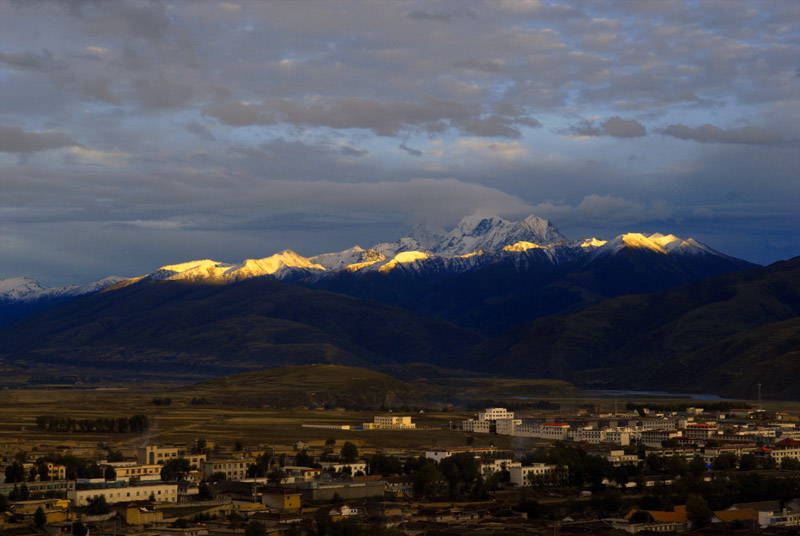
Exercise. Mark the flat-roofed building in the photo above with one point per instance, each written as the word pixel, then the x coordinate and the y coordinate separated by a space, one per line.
pixel 121 491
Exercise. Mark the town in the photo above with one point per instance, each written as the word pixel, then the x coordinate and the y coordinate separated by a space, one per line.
pixel 713 469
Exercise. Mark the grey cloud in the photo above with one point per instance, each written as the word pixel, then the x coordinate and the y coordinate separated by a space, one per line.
pixel 99 89
pixel 487 66
pixel 442 16
pixel 384 118
pixel 614 126
pixel 17 140
pixel 623 128
pixel 410 150
pixel 200 130
pixel 161 92
pixel 712 134
pixel 43 61
pixel 350 151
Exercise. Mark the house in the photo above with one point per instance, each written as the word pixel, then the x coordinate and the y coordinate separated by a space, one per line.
pixel 283 500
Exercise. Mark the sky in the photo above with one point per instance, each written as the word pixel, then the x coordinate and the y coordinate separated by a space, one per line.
pixel 138 134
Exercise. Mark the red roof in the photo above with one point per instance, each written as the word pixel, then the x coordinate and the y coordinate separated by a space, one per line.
pixel 788 442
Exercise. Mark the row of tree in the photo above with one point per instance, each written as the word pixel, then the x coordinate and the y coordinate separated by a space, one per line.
pixel 134 424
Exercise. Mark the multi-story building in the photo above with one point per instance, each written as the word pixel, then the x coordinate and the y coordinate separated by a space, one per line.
pixel 121 491
pixel 492 414
pixel 391 422
pixel 498 465
pixel 231 468
pixel 137 472
pixel 538 473
pixel 476 427
pixel 156 454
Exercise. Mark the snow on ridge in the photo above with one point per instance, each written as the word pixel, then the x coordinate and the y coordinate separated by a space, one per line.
pixel 26 289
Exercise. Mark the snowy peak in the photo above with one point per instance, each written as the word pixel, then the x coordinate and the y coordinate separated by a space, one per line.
pixel 657 242
pixel 19 288
pixel 337 261
pixel 475 233
pixel 425 236
pixel 210 271
pixel 25 289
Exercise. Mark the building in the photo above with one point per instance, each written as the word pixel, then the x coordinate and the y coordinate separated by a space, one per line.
pixel 440 454
pixel 498 465
pixel 391 422
pixel 538 473
pixel 121 491
pixel 492 414
pixel 137 472
pixel 155 454
pixel 232 469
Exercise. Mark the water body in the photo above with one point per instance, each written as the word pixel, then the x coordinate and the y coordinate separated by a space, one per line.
pixel 623 392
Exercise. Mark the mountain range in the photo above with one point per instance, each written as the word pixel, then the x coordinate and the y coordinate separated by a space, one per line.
pixel 513 298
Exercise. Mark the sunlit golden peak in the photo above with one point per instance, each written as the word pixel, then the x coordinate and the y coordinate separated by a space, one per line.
pixel 471 254
pixel 638 240
pixel 593 243
pixel 522 245
pixel 404 258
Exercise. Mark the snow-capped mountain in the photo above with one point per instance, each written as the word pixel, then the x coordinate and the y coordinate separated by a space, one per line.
pixel 476 242
pixel 25 289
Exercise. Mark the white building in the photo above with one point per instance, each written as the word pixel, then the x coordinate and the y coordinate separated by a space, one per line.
pixel 499 465
pixel 115 492
pixel 492 414
pixel 440 454
pixel 528 475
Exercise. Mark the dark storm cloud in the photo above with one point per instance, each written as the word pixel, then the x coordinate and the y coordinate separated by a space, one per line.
pixel 711 134
pixel 17 140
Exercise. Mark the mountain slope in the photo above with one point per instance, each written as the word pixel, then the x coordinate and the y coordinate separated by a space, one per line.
pixel 214 330
pixel 640 341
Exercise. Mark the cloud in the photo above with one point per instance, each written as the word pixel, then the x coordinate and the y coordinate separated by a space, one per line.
pixel 614 126
pixel 442 16
pixel 17 140
pixel 712 134
pixel 410 150
pixel 384 118
pixel 623 128
pixel 162 92
pixel 200 130
pixel 351 151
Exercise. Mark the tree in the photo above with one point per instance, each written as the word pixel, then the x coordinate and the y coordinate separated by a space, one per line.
pixel 698 511
pixel 276 477
pixel 727 461
pixel 79 529
pixel 349 452
pixel 3 503
pixel 15 473
pixel 98 505
pixel 44 474
pixel 175 469
pixel 39 518
pixel 255 528
pixel 303 458
pixel 238 447
pixel 110 474
pixel 641 516
pixel 206 492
